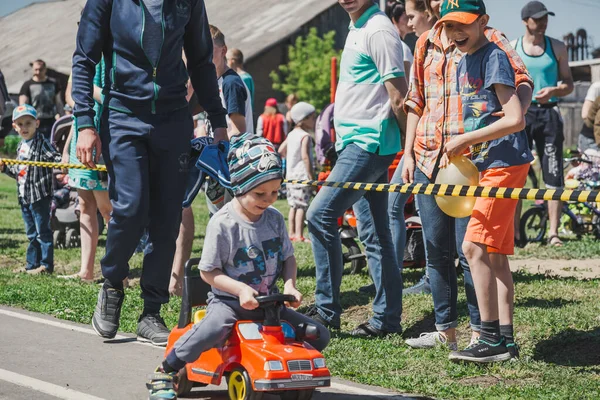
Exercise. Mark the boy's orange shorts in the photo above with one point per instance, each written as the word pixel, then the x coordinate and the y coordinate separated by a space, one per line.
pixel 492 221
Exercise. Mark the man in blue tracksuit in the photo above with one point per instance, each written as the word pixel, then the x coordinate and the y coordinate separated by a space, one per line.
pixel 145 134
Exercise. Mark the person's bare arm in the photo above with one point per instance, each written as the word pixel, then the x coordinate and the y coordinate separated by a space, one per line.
pixel 238 122
pixel 525 95
pixel 585 109
pixel 68 97
pixel 564 72
pixel 219 280
pixel 65 154
pixel 397 89
pixel 283 148
pixel 23 99
pixel 305 151
pixel 408 166
pixel 512 121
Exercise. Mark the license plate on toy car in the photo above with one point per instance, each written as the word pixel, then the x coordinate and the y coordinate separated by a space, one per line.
pixel 301 377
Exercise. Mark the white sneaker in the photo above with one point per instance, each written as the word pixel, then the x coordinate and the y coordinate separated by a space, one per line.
pixel 429 340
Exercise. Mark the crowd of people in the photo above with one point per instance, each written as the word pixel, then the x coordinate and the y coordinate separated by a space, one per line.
pixel 429 77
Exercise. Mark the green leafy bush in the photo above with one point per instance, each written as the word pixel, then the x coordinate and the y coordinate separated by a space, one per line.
pixel 308 71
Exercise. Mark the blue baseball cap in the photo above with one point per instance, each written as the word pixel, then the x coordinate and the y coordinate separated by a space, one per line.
pixel 24 110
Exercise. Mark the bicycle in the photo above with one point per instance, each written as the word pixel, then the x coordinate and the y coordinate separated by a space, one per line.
pixel 577 218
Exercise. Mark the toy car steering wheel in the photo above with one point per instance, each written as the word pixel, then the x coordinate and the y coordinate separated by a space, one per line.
pixel 265 301
pixel 271 306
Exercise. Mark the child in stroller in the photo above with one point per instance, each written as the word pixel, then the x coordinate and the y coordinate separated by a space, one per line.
pixel 65 207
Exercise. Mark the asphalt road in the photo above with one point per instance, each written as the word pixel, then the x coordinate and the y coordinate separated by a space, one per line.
pixel 43 358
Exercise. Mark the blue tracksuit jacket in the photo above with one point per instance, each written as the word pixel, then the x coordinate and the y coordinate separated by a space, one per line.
pixel 115 29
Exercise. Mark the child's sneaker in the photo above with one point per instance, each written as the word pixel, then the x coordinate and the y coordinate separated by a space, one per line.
pixel 162 385
pixel 429 340
pixel 482 352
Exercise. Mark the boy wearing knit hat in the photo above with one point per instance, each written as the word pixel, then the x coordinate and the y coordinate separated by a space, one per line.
pixel 245 251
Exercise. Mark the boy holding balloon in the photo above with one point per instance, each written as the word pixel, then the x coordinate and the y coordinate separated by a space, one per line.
pixel 494 130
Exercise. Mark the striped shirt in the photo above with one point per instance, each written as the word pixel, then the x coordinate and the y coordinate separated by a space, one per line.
pixel 433 93
pixel 363 113
pixel 38 181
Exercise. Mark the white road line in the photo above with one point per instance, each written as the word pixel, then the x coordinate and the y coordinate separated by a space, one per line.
pixel 45 387
pixel 360 391
pixel 62 325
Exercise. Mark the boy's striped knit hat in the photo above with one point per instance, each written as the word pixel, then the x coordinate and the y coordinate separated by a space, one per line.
pixel 252 161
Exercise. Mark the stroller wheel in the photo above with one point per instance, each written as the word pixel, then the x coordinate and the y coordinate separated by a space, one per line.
pixel 58 239
pixel 72 239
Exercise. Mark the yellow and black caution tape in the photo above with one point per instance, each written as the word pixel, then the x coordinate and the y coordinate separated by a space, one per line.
pixel 413 188
pixel 43 164
pixel 465 191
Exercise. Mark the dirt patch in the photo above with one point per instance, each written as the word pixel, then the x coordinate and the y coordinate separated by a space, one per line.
pixel 581 269
pixel 484 381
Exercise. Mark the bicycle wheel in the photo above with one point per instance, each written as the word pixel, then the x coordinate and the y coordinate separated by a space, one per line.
pixel 533 225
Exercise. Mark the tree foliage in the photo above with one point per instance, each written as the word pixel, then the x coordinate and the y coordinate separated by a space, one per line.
pixel 307 72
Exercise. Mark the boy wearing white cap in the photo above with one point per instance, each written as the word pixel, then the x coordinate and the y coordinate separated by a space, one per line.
pixel 298 151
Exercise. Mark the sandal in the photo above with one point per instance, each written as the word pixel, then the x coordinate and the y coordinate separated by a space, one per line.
pixel 554 240
pixel 162 386
pixel 366 330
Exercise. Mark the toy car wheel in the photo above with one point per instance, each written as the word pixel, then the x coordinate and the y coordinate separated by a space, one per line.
pixel 184 386
pixel 357 264
pixel 239 386
pixel 305 394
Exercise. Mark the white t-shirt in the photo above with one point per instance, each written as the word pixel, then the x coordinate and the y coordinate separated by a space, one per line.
pixel 363 111
pixel 295 168
pixel 593 92
pixel 24 154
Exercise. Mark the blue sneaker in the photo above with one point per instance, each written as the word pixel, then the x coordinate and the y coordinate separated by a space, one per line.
pixel 422 287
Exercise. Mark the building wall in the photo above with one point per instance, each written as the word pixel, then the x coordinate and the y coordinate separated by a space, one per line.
pixel 260 66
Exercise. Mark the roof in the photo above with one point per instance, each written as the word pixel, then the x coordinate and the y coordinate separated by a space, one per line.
pixel 250 25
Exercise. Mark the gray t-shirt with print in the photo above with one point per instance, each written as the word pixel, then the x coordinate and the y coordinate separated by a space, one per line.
pixel 248 252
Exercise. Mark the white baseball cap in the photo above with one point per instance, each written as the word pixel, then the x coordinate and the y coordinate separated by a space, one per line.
pixel 301 110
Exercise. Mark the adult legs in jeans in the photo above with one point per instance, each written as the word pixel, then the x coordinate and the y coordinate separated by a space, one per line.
pixel 354 165
pixel 369 209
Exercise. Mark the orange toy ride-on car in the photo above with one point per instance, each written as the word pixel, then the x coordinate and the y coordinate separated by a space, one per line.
pixel 259 356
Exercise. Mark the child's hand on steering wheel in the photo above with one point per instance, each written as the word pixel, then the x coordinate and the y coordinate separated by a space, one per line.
pixel 294 292
pixel 247 298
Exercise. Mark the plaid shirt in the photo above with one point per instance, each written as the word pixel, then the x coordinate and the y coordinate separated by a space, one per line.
pixel 38 183
pixel 433 93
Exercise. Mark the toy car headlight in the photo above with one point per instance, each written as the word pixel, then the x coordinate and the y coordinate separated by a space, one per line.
pixel 273 366
pixel 319 362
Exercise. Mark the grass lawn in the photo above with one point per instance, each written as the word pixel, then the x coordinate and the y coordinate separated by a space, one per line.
pixel 557 321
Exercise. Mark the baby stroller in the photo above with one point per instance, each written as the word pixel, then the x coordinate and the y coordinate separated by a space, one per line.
pixel 64 220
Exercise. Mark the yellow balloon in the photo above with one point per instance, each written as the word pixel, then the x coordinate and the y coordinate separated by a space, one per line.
pixel 460 171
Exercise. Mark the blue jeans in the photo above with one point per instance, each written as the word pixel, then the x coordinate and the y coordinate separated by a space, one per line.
pixel 40 251
pixel 356 165
pixel 443 236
